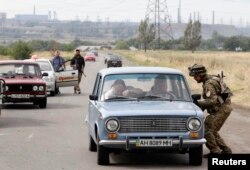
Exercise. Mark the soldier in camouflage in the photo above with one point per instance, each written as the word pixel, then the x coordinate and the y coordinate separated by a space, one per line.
pixel 217 101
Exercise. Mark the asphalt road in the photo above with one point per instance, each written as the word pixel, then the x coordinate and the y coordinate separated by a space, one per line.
pixel 56 138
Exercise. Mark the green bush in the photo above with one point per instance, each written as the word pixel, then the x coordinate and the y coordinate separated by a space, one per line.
pixel 122 45
pixel 21 50
pixel 3 50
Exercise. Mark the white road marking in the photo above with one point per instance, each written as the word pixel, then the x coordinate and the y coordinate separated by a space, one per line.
pixel 29 137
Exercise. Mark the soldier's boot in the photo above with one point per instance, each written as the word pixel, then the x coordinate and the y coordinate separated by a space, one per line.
pixel 226 150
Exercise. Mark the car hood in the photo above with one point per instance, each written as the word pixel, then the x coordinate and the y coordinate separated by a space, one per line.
pixel 148 108
pixel 22 80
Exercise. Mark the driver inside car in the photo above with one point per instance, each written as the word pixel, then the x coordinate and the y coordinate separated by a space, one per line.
pixel 160 88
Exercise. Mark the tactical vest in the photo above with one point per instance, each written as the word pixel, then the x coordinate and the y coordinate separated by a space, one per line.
pixel 224 93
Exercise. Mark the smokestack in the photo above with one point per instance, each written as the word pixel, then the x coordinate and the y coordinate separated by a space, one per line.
pixel 179 13
pixel 213 18
pixel 34 10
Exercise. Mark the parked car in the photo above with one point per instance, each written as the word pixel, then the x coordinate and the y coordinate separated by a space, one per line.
pixel 114 61
pixel 62 78
pixel 23 83
pixel 125 113
pixel 89 57
pixel 46 67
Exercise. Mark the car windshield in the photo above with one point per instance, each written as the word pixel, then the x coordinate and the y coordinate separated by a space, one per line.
pixel 145 86
pixel 45 65
pixel 19 69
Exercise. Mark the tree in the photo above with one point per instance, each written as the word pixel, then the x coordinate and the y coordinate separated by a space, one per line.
pixel 21 50
pixel 192 35
pixel 146 33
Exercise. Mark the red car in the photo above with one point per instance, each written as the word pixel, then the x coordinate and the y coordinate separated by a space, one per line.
pixel 89 57
pixel 23 83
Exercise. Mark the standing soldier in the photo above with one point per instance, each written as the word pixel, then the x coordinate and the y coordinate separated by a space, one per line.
pixel 78 63
pixel 217 101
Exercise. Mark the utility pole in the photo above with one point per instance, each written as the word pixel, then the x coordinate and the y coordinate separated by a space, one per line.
pixel 157 13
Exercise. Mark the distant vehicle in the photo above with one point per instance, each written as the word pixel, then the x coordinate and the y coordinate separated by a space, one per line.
pixel 94 51
pixel 126 112
pixel 114 61
pixel 106 57
pixel 23 83
pixel 89 57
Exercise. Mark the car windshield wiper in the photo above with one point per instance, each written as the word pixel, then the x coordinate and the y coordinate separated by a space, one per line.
pixel 121 98
pixel 154 97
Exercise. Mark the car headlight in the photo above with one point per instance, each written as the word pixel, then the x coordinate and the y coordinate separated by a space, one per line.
pixel 194 124
pixel 112 125
pixel 41 88
pixel 35 88
pixel 6 88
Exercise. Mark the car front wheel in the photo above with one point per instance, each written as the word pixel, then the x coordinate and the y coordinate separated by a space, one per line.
pixel 195 155
pixel 102 154
pixel 43 103
pixel 52 93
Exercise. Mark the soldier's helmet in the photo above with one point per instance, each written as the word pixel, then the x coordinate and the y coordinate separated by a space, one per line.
pixel 197 69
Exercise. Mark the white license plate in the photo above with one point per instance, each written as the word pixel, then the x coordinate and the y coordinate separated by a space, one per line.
pixel 20 96
pixel 154 142
pixel 114 62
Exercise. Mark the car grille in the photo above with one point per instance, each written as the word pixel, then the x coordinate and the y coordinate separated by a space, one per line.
pixel 20 88
pixel 133 125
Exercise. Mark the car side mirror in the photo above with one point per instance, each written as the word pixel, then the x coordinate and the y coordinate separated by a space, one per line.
pixel 93 97
pixel 45 74
pixel 196 97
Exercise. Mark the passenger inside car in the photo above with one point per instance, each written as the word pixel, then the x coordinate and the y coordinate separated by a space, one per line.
pixel 119 88
pixel 160 88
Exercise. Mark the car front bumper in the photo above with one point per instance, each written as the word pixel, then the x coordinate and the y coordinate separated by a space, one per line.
pixel 130 144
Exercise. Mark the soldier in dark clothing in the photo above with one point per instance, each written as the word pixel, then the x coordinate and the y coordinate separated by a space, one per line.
pixel 78 63
pixel 217 101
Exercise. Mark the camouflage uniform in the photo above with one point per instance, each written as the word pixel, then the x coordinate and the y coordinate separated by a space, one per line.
pixel 218 113
pixel 218 108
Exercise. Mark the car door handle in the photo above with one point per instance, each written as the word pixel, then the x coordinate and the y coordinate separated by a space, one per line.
pixel 73 73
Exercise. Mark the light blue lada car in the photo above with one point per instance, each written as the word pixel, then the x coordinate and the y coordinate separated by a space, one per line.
pixel 144 108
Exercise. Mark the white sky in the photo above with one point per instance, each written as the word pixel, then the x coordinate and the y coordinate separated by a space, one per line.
pixel 133 10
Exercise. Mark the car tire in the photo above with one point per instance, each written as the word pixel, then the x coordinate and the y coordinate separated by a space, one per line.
pixel 43 103
pixel 195 155
pixel 52 93
pixel 56 90
pixel 35 103
pixel 92 144
pixel 102 154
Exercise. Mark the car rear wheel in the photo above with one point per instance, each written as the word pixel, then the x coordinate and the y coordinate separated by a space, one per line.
pixel 43 103
pixel 195 155
pixel 102 154
pixel 92 144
